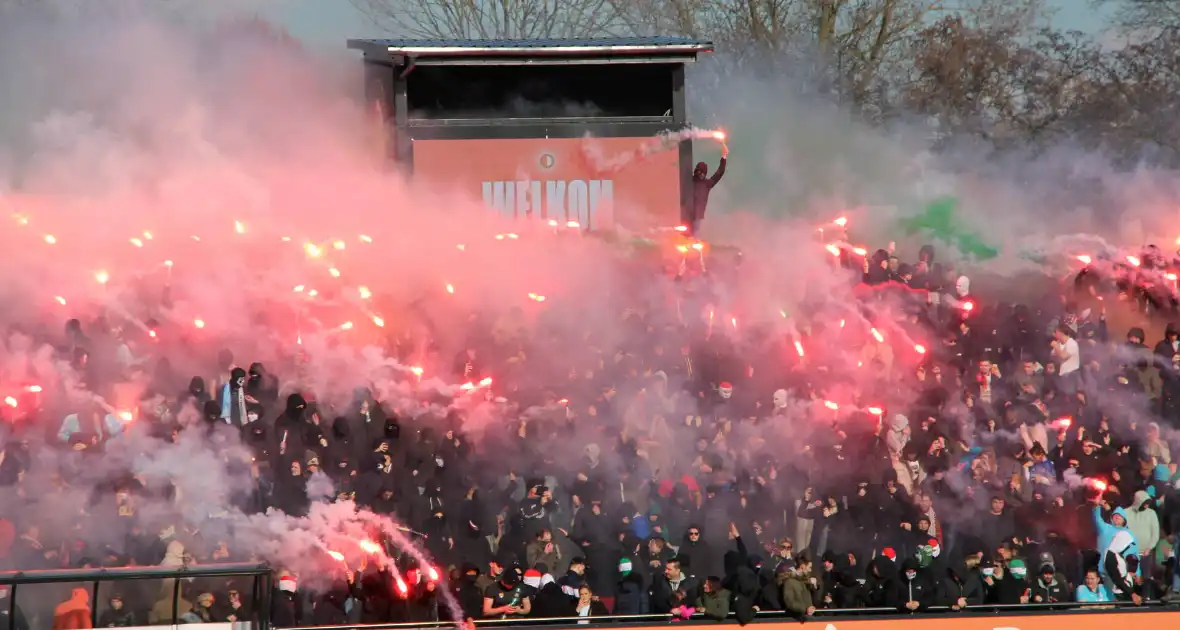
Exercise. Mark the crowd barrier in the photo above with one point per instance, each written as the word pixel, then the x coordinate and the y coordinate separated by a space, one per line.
pixel 1070 616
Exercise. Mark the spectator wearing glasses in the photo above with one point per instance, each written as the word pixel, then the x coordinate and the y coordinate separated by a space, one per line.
pixel 697 553
pixel 784 555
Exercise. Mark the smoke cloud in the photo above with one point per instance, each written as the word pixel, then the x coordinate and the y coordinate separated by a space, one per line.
pixel 211 182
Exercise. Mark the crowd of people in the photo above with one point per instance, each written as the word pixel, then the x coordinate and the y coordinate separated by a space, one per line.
pixel 931 450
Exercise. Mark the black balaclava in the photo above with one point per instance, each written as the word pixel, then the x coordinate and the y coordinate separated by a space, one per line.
pixel 340 429
pixel 212 412
pixel 296 404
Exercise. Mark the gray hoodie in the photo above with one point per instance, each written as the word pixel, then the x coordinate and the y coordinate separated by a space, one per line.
pixel 1143 523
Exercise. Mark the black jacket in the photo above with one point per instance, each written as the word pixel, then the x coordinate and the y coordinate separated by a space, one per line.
pixel 1056 591
pixel 662 591
pixel 701 189
pixel 630 596
pixel 920 589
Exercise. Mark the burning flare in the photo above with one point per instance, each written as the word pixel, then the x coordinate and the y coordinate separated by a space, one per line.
pixel 369 546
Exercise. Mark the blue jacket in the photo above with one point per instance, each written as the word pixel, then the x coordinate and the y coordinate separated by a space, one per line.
pixel 1085 595
pixel 1106 532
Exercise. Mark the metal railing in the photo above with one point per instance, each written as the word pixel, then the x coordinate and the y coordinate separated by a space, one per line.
pixel 984 610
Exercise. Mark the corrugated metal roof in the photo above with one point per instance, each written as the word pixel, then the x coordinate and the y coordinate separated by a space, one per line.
pixel 496 47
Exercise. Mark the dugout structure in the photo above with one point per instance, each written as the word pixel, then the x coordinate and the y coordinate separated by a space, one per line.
pixel 509 121
pixel 33 595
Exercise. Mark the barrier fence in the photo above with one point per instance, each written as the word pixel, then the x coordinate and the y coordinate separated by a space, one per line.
pixel 1057 616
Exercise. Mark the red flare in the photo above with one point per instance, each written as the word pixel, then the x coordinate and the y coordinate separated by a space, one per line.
pixel 681 228
pixel 1134 260
pixel 968 306
pixel 842 221
pixel 1084 259
pixel 1064 422
pixel 877 335
pixel 919 348
pixel 1098 485
pixel 402 589
pixel 336 555
pixel 799 348
pixel 433 573
pixel 876 411
pixel 485 382
pixel 831 405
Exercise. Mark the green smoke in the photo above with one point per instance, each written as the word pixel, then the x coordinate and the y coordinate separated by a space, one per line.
pixel 940 220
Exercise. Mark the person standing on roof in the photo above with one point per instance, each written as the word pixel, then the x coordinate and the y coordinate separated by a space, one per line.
pixel 702 184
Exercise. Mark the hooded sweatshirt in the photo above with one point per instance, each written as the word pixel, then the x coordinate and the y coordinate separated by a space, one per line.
pixel 74 613
pixel 1143 523
pixel 1114 562
pixel 233 399
pixel 896 439
pixel 914 585
pixel 1107 532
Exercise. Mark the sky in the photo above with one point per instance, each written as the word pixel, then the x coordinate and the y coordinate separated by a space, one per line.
pixel 328 23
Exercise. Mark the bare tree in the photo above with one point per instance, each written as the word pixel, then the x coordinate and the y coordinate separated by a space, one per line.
pixel 492 19
pixel 1144 19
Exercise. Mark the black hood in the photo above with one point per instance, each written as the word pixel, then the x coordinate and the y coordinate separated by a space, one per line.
pixel 196 386
pixel 296 405
pixel 340 428
pixel 237 377
pixel 257 371
pixel 212 411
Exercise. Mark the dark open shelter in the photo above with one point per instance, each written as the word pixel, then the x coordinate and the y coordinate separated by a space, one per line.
pixel 490 89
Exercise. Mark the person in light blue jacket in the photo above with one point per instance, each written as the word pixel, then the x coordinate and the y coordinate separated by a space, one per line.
pixel 104 426
pixel 1092 590
pixel 1107 531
